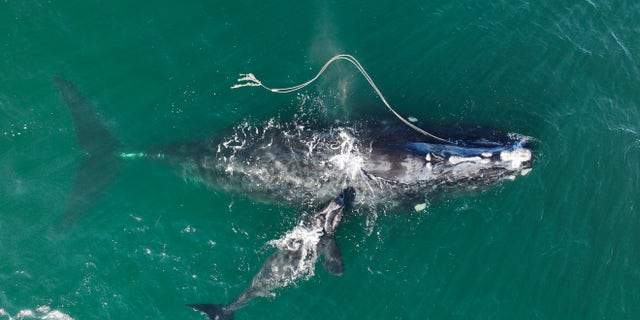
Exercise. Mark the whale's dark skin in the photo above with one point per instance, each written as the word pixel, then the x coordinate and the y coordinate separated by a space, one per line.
pixel 98 167
pixel 282 267
pixel 386 163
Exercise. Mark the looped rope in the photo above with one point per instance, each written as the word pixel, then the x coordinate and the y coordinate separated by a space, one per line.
pixel 250 80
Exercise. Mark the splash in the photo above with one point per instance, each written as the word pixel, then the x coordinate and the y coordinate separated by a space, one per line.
pixel 301 240
pixel 349 160
pixel 41 312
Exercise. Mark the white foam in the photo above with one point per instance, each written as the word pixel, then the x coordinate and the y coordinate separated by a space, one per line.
pixel 305 239
pixel 25 314
pixel 56 315
pixel 41 312
pixel 420 207
pixel 348 160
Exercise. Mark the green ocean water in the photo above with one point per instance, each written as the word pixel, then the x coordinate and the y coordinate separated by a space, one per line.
pixel 562 242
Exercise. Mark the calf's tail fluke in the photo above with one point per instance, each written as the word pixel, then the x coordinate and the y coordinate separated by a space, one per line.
pixel 213 311
pixel 99 165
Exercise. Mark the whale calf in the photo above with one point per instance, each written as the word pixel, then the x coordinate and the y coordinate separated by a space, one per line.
pixel 295 257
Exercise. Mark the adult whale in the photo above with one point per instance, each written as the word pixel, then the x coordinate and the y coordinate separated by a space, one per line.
pixel 388 164
pixel 295 257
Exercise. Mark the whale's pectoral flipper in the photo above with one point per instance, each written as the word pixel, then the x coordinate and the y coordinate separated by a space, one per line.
pixel 332 258
pixel 99 165
pixel 213 311
pixel 327 247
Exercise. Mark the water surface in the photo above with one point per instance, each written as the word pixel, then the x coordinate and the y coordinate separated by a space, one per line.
pixel 561 242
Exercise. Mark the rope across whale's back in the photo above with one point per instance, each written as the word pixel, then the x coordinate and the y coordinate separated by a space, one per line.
pixel 250 80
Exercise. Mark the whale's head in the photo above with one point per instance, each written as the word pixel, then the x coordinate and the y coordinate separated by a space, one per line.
pixel 432 166
pixel 329 217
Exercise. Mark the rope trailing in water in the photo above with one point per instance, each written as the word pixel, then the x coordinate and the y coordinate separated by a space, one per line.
pixel 250 80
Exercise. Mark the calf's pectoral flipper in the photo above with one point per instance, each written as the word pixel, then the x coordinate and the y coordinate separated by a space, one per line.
pixel 99 166
pixel 327 247
pixel 331 256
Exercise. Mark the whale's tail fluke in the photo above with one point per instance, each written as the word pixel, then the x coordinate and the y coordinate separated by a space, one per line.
pixel 99 166
pixel 213 311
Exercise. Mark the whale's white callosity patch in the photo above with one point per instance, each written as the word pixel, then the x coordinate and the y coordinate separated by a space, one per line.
pixel 456 160
pixel 517 157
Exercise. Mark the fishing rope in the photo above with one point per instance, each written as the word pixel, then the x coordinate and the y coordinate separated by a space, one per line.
pixel 250 80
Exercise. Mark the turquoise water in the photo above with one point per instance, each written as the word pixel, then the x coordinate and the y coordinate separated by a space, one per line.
pixel 560 243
